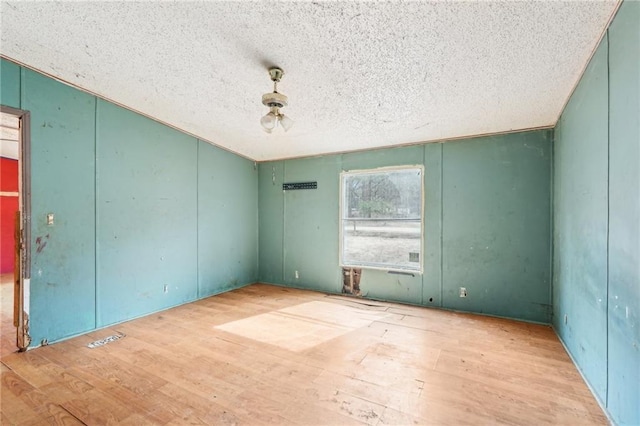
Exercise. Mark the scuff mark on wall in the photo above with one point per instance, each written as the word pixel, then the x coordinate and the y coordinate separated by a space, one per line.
pixel 41 243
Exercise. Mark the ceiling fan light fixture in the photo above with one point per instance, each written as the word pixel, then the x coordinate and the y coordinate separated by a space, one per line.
pixel 269 121
pixel 286 122
pixel 275 101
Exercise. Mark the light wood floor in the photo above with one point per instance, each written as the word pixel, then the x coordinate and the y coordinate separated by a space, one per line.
pixel 8 337
pixel 269 355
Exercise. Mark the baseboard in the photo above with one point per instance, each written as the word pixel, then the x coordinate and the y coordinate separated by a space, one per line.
pixel 102 327
pixel 378 299
pixel 584 378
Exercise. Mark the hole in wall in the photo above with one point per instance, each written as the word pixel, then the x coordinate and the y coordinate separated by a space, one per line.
pixel 351 281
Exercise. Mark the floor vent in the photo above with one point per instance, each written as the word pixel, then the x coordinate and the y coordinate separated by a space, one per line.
pixel 106 340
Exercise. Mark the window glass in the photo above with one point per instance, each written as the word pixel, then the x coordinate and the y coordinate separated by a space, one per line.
pixel 381 216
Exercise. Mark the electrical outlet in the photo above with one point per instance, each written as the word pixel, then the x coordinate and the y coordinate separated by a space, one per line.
pixel 166 288
pixel 463 292
pixel 49 219
pixel 297 275
pixel 566 318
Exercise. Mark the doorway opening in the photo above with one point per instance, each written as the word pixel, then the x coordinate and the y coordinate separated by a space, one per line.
pixel 14 229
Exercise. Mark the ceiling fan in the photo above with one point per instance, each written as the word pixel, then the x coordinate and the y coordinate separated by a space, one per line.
pixel 275 101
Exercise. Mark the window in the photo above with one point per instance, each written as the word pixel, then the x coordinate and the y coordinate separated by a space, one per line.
pixel 381 218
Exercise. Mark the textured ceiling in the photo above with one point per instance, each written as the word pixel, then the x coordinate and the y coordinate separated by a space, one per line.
pixel 358 74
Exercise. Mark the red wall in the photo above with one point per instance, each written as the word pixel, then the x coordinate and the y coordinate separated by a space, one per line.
pixel 8 207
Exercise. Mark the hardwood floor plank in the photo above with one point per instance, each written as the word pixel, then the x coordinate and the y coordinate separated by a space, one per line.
pixel 195 408
pixel 356 408
pixel 15 384
pixel 98 407
pixel 60 416
pixel 272 355
pixel 35 370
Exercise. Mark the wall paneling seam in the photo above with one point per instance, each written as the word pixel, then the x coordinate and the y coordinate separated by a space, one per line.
pixel 21 80
pixel 95 213
pixel 606 396
pixel 441 227
pixel 284 222
pixel 198 294
pixel 552 160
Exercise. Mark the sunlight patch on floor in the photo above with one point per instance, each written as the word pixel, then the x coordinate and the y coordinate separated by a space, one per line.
pixel 303 326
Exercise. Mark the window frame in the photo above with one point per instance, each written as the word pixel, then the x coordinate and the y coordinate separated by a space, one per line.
pixel 342 203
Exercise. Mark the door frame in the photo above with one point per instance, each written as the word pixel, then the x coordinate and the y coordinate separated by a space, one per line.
pixel 24 190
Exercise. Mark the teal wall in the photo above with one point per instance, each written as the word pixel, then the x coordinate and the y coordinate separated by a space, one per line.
pixel 596 265
pixel 9 84
pixel 146 204
pixel 138 206
pixel 63 169
pixel 487 225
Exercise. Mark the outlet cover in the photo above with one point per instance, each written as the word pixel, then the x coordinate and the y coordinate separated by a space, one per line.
pixel 463 292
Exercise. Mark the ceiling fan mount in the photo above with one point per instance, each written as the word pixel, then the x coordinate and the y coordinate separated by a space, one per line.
pixel 276 74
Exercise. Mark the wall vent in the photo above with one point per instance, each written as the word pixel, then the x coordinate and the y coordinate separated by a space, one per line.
pixel 299 185
pixel 106 340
